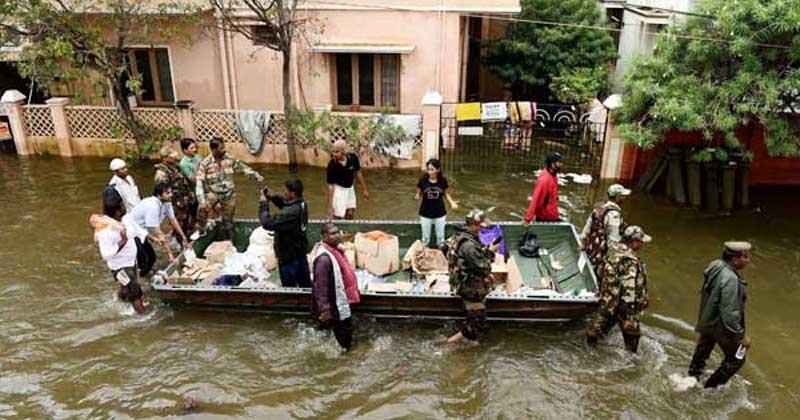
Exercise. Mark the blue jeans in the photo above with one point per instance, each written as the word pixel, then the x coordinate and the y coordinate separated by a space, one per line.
pixel 426 224
pixel 295 273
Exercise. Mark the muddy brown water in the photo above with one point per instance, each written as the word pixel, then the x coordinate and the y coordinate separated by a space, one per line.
pixel 68 350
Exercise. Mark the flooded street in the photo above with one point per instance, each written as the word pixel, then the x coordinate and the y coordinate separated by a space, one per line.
pixel 69 350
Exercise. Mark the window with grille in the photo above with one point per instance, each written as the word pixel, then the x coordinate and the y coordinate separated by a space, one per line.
pixel 366 82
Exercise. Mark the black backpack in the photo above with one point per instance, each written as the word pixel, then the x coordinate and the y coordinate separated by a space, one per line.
pixel 528 245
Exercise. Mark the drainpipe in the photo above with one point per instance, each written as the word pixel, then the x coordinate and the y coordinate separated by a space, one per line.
pixel 223 56
pixel 232 62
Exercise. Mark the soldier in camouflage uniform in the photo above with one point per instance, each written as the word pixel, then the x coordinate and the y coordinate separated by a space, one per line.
pixel 215 187
pixel 603 227
pixel 182 193
pixel 623 295
pixel 471 275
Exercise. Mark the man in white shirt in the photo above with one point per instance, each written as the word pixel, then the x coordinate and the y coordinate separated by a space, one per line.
pixel 124 184
pixel 149 214
pixel 119 252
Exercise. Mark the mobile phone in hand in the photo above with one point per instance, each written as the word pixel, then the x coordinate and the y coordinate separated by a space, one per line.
pixel 497 240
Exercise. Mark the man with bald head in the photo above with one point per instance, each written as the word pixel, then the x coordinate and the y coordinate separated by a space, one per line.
pixel 343 169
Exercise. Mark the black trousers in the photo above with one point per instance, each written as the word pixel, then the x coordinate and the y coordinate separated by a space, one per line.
pixel 729 343
pixel 342 330
pixel 145 256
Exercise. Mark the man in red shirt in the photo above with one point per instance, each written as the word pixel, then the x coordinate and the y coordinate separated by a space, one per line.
pixel 544 204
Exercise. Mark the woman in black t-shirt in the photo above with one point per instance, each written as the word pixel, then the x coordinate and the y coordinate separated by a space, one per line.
pixel 432 191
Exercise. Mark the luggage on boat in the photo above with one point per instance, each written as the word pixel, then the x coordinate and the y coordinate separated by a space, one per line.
pixel 378 252
pixel 261 246
pixel 217 251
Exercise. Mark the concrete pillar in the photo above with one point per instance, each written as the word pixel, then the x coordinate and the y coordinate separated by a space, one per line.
pixel 185 119
pixel 431 126
pixel 613 154
pixel 13 100
pixel 61 124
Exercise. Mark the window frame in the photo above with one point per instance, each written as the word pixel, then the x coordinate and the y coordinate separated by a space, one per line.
pixel 376 80
pixel 151 56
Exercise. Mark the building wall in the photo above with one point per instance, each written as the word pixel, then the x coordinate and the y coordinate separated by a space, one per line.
pixel 258 71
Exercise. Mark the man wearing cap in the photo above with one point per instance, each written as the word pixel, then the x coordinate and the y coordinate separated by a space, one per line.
pixel 182 194
pixel 623 294
pixel 544 203
pixel 603 227
pixel 721 318
pixel 124 184
pixel 470 275
pixel 215 189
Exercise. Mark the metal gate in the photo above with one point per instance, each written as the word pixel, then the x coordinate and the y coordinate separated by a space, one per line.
pixel 513 147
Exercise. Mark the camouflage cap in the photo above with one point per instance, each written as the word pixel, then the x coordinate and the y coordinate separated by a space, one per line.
pixel 618 190
pixel 476 216
pixel 636 233
pixel 167 151
pixel 738 246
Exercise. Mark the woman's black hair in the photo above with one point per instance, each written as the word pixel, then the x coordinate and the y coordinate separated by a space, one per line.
pixel 436 164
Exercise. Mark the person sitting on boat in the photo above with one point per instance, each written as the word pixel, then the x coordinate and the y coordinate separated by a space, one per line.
pixel 289 224
pixel 149 214
pixel 623 295
pixel 334 288
pixel 118 249
pixel 544 203
pixel 470 264
pixel 603 228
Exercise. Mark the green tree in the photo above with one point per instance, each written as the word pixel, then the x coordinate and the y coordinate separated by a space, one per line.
pixel 85 43
pixel 568 63
pixel 716 74
pixel 279 26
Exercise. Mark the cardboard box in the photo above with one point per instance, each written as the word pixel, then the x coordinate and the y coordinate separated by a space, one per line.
pixel 378 252
pixel 514 277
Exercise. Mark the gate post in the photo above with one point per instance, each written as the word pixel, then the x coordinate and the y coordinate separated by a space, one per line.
pixel 60 124
pixel 186 119
pixel 431 126
pixel 12 100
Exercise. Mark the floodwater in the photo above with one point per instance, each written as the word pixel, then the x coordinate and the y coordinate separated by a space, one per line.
pixel 68 350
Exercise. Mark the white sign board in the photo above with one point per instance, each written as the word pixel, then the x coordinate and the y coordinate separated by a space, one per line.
pixel 470 131
pixel 494 111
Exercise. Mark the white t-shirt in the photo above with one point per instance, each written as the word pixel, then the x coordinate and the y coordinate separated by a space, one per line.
pixel 151 212
pixel 128 190
pixel 134 230
pixel 108 239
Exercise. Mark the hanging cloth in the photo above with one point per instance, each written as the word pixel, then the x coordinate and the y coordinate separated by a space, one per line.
pixel 252 126
pixel 468 111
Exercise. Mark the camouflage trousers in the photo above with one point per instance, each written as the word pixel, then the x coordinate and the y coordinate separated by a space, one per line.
pixel 602 322
pixel 217 206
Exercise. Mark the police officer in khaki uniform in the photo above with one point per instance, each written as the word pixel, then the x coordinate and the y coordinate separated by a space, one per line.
pixel 623 294
pixel 721 318
pixel 471 275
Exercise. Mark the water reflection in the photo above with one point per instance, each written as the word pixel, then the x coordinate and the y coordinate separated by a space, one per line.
pixel 69 350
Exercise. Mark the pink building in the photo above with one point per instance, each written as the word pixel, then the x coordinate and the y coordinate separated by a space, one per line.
pixel 360 55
